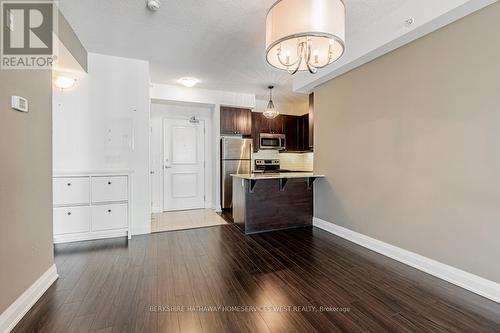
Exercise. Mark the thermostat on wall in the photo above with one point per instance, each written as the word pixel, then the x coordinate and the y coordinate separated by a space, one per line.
pixel 19 103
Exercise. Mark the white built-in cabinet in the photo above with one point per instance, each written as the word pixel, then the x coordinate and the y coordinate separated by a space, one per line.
pixel 91 205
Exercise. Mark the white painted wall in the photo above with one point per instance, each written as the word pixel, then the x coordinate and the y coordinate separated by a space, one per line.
pixel 159 111
pixel 161 93
pixel 103 124
pixel 167 92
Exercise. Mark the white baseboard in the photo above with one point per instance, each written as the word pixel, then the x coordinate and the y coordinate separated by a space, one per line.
pixel 16 311
pixel 89 236
pixel 463 279
pixel 142 230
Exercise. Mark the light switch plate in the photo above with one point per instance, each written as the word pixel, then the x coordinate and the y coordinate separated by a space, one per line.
pixel 19 103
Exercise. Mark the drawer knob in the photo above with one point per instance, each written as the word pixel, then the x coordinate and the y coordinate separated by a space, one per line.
pixel 69 213
pixel 69 184
pixel 109 183
pixel 109 210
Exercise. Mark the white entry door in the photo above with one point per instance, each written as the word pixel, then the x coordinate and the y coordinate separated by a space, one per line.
pixel 183 164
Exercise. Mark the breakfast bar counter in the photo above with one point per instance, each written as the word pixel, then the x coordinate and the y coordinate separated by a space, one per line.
pixel 273 201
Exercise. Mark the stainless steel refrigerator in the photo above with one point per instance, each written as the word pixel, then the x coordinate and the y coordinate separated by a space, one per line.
pixel 236 158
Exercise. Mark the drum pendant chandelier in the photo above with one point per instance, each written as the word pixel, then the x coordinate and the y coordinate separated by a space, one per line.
pixel 305 35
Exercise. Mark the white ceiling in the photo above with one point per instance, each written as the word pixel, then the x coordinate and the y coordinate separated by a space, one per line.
pixel 377 35
pixel 221 42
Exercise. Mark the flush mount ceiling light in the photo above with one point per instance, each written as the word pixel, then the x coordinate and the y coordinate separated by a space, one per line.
pixel 64 82
pixel 305 34
pixel 188 81
pixel 270 112
pixel 153 5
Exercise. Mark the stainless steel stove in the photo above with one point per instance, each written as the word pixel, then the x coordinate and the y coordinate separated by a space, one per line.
pixel 268 166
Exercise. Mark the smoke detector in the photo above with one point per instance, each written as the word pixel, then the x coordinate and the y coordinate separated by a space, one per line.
pixel 153 5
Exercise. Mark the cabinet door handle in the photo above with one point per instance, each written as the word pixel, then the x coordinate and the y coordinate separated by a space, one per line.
pixel 109 210
pixel 69 213
pixel 109 183
pixel 69 184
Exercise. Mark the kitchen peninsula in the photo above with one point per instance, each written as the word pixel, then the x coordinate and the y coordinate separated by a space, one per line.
pixel 275 201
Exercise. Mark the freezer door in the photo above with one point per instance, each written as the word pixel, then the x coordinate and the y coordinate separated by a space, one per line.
pixel 236 149
pixel 231 167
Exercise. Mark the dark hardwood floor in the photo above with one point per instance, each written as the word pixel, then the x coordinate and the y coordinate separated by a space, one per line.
pixel 135 286
pixel 227 215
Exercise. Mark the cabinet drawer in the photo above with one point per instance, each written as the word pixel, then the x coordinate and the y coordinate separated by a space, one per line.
pixel 69 220
pixel 106 189
pixel 71 190
pixel 106 217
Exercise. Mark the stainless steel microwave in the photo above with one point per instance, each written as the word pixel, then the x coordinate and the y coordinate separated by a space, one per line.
pixel 272 141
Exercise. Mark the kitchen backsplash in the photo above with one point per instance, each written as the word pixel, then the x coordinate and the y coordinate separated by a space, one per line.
pixel 288 161
pixel 296 161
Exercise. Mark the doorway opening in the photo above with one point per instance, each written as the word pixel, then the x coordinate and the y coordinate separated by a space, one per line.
pixel 181 159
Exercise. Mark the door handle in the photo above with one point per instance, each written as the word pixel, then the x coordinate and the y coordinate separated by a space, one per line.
pixel 166 164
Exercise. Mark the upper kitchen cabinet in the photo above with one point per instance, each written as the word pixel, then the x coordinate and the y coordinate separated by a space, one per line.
pixel 262 124
pixel 291 132
pixel 235 121
pixel 297 133
pixel 298 130
pixel 276 125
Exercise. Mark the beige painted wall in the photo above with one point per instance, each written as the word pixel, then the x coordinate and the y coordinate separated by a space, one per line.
pixel 294 109
pixel 411 146
pixel 26 250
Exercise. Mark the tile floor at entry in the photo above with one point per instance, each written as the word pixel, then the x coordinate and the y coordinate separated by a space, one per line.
pixel 185 219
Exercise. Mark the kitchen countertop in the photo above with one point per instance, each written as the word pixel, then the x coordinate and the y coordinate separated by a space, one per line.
pixel 257 176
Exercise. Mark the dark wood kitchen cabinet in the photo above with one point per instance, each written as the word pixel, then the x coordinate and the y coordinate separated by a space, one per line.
pixel 296 129
pixel 273 126
pixel 261 124
pixel 291 132
pixel 297 133
pixel 235 121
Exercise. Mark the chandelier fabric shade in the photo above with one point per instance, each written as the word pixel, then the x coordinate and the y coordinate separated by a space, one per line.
pixel 305 34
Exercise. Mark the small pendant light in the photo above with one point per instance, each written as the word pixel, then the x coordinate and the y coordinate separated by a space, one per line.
pixel 271 112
